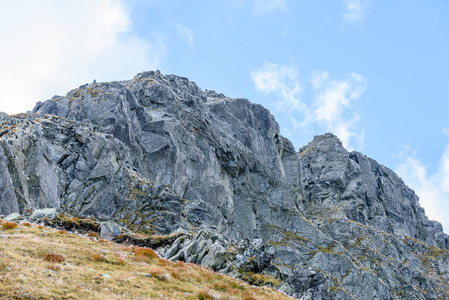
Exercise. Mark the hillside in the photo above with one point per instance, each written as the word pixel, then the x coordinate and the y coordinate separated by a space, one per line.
pixel 158 155
pixel 39 262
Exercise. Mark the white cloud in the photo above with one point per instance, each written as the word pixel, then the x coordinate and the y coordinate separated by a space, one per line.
pixel 283 79
pixel 354 10
pixel 319 78
pixel 186 33
pixel 333 99
pixel 330 103
pixel 445 131
pixel 432 189
pixel 264 7
pixel 50 47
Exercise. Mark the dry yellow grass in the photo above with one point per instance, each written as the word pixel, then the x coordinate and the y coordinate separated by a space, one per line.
pixel 54 257
pixel 104 270
pixel 93 234
pixel 7 225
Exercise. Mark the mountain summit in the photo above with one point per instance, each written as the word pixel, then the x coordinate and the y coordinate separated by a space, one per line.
pixel 157 153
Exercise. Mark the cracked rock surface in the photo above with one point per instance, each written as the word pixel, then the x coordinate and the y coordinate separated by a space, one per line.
pixel 157 153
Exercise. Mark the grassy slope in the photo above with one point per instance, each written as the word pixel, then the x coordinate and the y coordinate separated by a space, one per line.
pixel 29 269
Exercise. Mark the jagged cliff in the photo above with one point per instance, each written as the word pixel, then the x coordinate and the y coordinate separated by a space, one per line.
pixel 159 154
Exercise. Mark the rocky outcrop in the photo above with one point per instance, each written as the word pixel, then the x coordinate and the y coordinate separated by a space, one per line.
pixel 110 230
pixel 158 154
pixel 48 213
pixel 339 184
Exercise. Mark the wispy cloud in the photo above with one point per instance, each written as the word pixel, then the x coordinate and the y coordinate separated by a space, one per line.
pixel 334 97
pixel 282 79
pixel 445 131
pixel 67 45
pixel 329 105
pixel 186 33
pixel 354 10
pixel 264 7
pixel 432 189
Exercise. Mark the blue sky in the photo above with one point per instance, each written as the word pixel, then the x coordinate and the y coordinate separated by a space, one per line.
pixel 373 72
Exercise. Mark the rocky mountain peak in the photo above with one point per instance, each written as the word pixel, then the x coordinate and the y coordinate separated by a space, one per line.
pixel 157 153
pixel 326 142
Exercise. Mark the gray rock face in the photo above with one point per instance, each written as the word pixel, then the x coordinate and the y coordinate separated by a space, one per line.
pixel 109 230
pixel 8 199
pixel 339 184
pixel 160 154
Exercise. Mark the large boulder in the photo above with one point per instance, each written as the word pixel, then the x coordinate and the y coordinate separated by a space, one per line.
pixel 13 217
pixel 48 213
pixel 110 230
